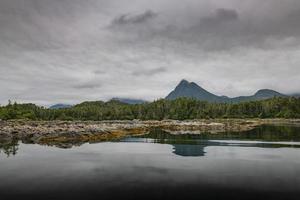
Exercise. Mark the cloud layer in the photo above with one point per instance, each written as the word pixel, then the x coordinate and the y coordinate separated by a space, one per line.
pixel 134 19
pixel 71 50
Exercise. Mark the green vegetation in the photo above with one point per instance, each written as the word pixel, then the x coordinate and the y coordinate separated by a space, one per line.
pixel 182 108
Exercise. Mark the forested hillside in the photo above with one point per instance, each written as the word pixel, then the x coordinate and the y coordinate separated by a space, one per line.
pixel 182 108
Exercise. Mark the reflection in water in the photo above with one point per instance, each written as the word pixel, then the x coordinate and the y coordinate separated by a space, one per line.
pixel 194 145
pixel 262 133
pixel 142 168
pixel 267 133
pixel 188 150
pixel 9 147
pixel 264 136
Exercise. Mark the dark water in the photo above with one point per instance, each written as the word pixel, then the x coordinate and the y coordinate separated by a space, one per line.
pixel 260 164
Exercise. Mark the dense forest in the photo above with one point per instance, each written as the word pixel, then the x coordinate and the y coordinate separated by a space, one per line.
pixel 180 109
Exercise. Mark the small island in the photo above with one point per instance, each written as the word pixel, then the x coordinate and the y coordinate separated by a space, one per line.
pixel 68 133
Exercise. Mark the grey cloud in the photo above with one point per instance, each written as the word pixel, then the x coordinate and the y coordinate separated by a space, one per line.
pixel 222 28
pixel 226 14
pixel 74 50
pixel 134 19
pixel 149 72
pixel 87 86
pixel 221 15
pixel 290 24
pixel 99 71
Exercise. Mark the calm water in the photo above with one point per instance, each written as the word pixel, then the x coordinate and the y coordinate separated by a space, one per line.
pixel 260 164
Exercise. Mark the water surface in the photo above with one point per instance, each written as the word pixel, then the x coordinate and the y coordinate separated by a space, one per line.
pixel 260 164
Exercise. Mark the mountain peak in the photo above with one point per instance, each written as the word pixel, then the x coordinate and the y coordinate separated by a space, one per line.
pixel 191 90
pixel 262 91
pixel 267 93
pixel 184 82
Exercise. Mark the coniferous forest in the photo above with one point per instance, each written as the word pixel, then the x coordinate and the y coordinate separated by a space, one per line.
pixel 179 109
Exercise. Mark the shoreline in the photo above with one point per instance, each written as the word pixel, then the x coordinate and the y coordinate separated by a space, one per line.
pixel 77 132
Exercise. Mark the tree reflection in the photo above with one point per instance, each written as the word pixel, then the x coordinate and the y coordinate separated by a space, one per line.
pixel 9 147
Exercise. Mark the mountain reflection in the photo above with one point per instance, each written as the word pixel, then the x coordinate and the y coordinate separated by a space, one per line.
pixel 189 150
pixel 194 145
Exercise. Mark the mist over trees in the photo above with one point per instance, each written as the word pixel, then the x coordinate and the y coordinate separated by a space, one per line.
pixel 179 109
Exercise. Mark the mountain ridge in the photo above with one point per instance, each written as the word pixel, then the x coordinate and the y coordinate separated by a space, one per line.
pixel 129 100
pixel 192 90
pixel 60 106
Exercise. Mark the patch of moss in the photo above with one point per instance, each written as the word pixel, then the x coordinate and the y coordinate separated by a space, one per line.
pixel 89 137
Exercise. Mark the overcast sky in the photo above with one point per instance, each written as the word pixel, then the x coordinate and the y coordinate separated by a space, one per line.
pixel 68 51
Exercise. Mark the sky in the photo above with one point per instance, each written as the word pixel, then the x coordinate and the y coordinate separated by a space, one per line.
pixel 69 51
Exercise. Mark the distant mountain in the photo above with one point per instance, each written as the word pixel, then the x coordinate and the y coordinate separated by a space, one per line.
pixel 192 90
pixel 129 101
pixel 259 95
pixel 60 106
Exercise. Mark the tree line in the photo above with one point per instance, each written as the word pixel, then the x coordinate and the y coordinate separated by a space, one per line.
pixel 179 109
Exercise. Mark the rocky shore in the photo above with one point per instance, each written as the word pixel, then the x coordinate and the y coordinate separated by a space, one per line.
pixel 65 133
